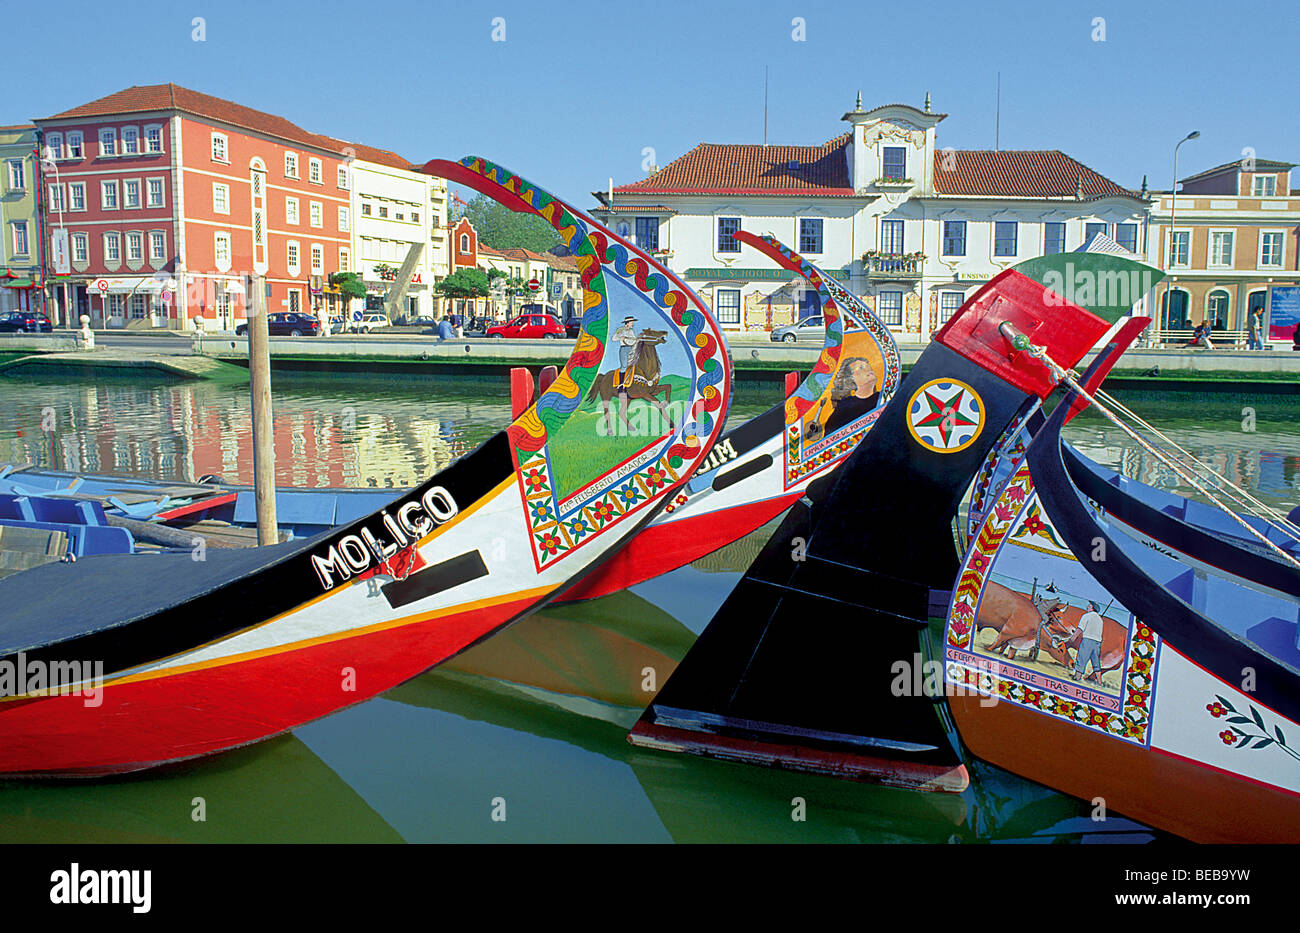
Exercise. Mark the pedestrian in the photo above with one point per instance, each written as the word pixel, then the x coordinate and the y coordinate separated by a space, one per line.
pixel 445 330
pixel 1255 330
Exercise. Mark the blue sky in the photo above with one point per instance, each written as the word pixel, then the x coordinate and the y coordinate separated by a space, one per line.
pixel 576 92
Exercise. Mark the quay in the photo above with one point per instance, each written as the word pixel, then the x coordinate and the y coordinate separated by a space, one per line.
pixel 224 357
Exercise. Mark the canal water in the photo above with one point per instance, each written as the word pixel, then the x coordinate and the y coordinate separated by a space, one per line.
pixel 530 725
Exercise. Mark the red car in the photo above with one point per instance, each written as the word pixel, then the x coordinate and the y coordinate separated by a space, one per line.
pixel 529 325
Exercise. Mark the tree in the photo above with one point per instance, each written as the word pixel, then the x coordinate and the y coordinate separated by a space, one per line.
pixel 464 283
pixel 349 285
pixel 501 228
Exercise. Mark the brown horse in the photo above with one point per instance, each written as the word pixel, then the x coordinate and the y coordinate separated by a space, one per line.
pixel 646 370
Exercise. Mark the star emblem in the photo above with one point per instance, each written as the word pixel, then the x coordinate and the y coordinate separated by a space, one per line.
pixel 946 415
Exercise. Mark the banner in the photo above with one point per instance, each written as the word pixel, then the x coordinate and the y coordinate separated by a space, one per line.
pixel 1284 312
pixel 59 259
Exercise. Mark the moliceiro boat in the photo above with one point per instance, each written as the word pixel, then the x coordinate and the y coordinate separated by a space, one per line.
pixel 799 667
pixel 762 467
pixel 1180 704
pixel 202 655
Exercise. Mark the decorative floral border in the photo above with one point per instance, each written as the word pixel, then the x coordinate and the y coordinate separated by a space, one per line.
pixel 1132 723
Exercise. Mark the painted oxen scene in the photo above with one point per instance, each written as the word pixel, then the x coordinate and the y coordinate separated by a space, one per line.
pixel 1042 628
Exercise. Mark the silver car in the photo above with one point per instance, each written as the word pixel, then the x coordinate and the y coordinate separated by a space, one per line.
pixel 810 329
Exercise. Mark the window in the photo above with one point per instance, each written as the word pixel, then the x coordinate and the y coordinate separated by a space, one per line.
pixel 810 235
pixel 292 257
pixel 891 237
pixel 157 246
pixel 1126 235
pixel 75 146
pixel 1004 237
pixel 220 198
pixel 949 304
pixel 108 195
pixel 222 251
pixel 134 247
pixel 317 214
pixel 345 219
pixel 314 172
pixel 464 243
pixel 1221 248
pixel 80 248
pixel 891 308
pixel 130 140
pixel 112 248
pixel 137 306
pixel 153 138
pixel 1179 246
pixel 727 227
pixel 17 177
pixel 131 192
pixel 155 189
pixel 727 301
pixel 1092 229
pixel 415 217
pixel 19 231
pixel 295 301
pixel 1264 186
pixel 77 196
pixel 343 176
pixel 54 145
pixel 56 199
pixel 895 163
pixel 399 216
pixel 317 259
pixel 1216 309
pixel 345 259
pixel 1270 248
pixel 291 210
pixel 291 165
pixel 954 238
pixel 383 211
pixel 365 209
pixel 108 142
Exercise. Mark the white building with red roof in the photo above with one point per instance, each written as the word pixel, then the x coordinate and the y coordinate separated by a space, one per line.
pixel 911 227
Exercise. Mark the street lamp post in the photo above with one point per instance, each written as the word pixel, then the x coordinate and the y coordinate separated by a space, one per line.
pixel 50 165
pixel 1173 209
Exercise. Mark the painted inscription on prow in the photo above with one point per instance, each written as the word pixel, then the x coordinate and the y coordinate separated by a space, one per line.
pixel 410 521
pixel 721 453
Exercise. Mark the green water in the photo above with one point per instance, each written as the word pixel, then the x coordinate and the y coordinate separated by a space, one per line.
pixel 531 724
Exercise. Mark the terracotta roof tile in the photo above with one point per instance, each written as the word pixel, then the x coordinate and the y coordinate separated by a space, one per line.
pixel 173 97
pixel 1019 174
pixel 753 169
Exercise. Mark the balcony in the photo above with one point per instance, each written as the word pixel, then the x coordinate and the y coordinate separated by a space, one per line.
pixel 891 266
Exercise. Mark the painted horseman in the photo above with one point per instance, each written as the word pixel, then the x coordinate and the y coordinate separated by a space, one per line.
pixel 627 341
pixel 637 375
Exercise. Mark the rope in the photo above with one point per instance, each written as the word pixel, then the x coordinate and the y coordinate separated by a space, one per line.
pixel 1069 378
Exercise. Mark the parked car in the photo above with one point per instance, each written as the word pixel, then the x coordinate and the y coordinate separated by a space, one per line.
pixel 529 326
pixel 287 324
pixel 371 321
pixel 25 322
pixel 572 327
pixel 810 328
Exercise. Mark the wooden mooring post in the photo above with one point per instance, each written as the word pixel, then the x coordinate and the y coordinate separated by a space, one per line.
pixel 259 369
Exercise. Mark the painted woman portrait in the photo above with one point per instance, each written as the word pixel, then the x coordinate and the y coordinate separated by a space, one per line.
pixel 855 391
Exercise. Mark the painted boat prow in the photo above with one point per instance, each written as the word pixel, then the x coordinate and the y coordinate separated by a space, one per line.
pixel 814 661
pixel 202 656
pixel 1146 741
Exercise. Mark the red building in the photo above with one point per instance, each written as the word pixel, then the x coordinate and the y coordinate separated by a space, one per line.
pixel 169 197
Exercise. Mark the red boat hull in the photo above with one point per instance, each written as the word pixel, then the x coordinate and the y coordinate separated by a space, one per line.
pixel 174 714
pixel 661 547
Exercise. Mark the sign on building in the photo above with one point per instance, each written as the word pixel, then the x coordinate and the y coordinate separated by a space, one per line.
pixel 1283 312
pixel 59 257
